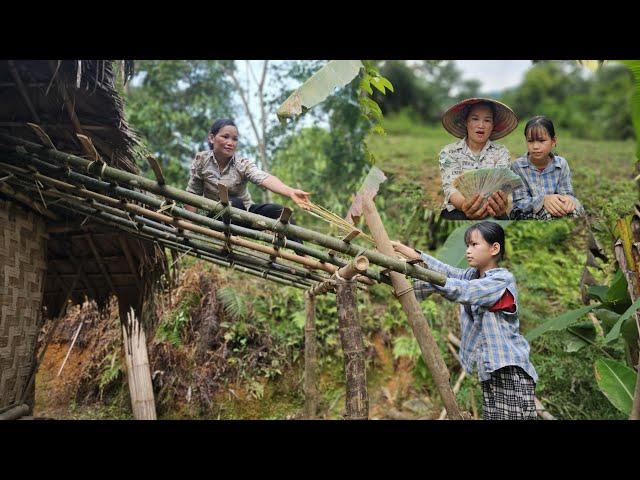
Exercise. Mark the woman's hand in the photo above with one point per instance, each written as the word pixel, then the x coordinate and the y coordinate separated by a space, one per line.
pixel 555 205
pixel 474 208
pixel 407 252
pixel 497 204
pixel 300 197
pixel 568 203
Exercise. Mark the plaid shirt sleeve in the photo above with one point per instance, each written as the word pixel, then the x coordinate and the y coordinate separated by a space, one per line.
pixel 522 198
pixel 423 289
pixel 196 184
pixel 483 292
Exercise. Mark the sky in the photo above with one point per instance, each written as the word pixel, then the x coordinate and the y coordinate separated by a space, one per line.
pixel 495 75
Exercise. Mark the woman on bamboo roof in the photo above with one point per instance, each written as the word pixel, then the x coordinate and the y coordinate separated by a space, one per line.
pixel 478 122
pixel 220 164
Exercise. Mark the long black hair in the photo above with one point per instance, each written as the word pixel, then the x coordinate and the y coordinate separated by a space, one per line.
pixel 217 125
pixel 491 232
pixel 534 127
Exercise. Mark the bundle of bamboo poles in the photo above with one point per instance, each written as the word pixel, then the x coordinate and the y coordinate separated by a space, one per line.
pixel 110 198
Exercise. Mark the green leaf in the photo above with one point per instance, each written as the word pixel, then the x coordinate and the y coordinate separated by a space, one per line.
pixel 365 84
pixel 634 66
pixel 386 83
pixel 335 74
pixel 299 319
pixel 598 292
pixel 617 382
pixel 452 251
pixel 377 82
pixel 560 323
pixel 617 295
pixel 614 333
pixel 607 317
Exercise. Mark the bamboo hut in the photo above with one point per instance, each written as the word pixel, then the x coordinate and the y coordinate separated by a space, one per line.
pixel 51 256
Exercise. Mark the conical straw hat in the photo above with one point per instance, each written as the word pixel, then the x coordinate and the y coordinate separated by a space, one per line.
pixel 504 123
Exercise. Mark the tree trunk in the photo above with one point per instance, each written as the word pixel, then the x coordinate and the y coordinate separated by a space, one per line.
pixel 357 400
pixel 310 359
pixel 411 307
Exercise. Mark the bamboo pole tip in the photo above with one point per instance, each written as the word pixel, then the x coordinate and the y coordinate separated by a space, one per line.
pixel 361 263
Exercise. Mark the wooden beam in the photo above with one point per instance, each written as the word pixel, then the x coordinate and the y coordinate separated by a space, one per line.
pixel 44 138
pixel 127 253
pixel 421 331
pixel 157 170
pixel 89 149
pixel 83 276
pixel 23 91
pixel 101 265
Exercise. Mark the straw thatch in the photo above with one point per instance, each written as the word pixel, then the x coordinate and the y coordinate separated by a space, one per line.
pixel 65 99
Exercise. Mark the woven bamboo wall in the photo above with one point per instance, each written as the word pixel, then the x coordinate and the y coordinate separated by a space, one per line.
pixel 23 265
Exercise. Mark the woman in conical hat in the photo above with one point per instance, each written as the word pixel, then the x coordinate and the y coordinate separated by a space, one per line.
pixel 477 122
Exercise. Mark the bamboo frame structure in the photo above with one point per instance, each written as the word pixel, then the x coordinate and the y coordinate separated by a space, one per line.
pixel 20 146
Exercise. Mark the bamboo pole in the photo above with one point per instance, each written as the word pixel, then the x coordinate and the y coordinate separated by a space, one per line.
pixel 252 269
pixel 172 240
pixel 310 359
pixel 15 412
pixel 256 221
pixel 138 371
pixel 421 331
pixel 356 398
pixel 329 261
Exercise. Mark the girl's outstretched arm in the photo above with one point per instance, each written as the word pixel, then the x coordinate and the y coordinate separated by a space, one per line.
pixel 431 262
pixel 484 292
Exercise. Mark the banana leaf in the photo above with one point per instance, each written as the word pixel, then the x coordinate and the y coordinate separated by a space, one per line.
pixel 335 74
pixel 617 382
pixel 614 333
pixel 560 322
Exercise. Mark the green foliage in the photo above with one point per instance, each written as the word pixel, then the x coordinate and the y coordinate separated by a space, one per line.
pixel 617 382
pixel 424 87
pixel 595 106
pixel 634 67
pixel 111 370
pixel 172 326
pixel 235 304
pixel 172 104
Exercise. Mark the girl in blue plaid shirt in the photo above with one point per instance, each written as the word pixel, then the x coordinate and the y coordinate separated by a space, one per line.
pixel 547 192
pixel 490 337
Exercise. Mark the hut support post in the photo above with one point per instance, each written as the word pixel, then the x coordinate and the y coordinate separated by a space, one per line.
pixel 310 359
pixel 404 292
pixel 138 371
pixel 357 399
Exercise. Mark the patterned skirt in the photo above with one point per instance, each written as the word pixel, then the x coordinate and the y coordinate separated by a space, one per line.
pixel 509 395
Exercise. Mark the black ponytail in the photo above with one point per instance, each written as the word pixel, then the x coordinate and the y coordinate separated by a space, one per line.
pixel 217 125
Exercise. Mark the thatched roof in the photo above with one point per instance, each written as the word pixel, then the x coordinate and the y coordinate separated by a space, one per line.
pixel 64 99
